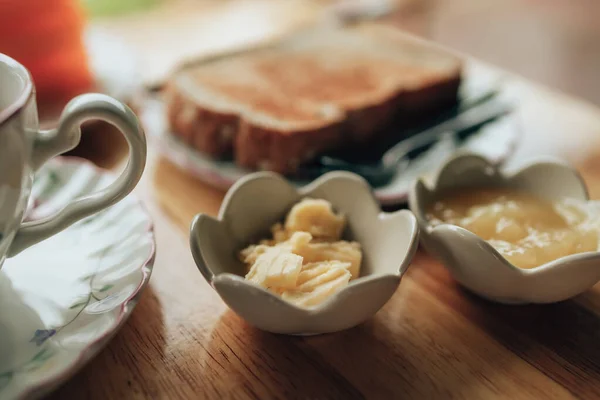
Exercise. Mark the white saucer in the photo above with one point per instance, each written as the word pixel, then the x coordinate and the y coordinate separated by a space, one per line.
pixel 63 299
pixel 495 141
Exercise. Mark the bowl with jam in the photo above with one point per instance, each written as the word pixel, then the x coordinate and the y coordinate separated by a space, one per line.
pixel 527 236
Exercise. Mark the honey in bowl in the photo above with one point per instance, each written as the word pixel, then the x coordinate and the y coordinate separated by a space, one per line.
pixel 526 230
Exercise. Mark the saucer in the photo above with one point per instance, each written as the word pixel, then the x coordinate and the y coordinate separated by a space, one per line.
pixel 63 299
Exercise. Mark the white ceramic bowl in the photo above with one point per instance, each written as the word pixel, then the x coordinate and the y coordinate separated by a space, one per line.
pixel 254 203
pixel 474 262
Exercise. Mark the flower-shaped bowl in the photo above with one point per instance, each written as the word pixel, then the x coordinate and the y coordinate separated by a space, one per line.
pixel 255 203
pixel 473 262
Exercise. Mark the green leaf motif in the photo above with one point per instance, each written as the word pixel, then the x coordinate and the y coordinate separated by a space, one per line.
pixel 50 185
pixel 91 218
pixel 80 304
pixel 54 178
pixel 40 356
pixel 39 359
pixel 5 379
pixel 105 288
pixel 86 277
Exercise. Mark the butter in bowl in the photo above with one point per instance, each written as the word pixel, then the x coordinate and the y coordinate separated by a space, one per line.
pixel 318 259
pixel 531 236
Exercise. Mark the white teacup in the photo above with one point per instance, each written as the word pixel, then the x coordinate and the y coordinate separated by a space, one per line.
pixel 24 148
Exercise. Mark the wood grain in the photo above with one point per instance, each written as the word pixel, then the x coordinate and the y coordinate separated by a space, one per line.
pixel 433 340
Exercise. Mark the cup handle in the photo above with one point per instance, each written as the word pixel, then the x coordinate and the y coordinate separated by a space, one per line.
pixel 53 142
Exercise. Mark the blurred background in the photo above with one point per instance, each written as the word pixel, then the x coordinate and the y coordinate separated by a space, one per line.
pixel 128 47
pixel 117 46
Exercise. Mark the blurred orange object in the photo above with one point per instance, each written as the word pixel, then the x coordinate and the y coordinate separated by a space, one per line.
pixel 46 36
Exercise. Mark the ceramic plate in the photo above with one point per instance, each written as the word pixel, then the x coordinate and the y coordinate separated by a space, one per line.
pixel 495 141
pixel 63 299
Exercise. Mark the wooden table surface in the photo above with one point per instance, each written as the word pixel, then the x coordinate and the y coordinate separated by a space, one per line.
pixel 432 340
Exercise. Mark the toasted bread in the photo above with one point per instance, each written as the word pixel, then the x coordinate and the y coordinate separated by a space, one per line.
pixel 277 107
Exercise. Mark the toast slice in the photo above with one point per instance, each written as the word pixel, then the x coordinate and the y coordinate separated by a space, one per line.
pixel 278 107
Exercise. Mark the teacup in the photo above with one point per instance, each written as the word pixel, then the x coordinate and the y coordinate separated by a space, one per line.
pixel 24 148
